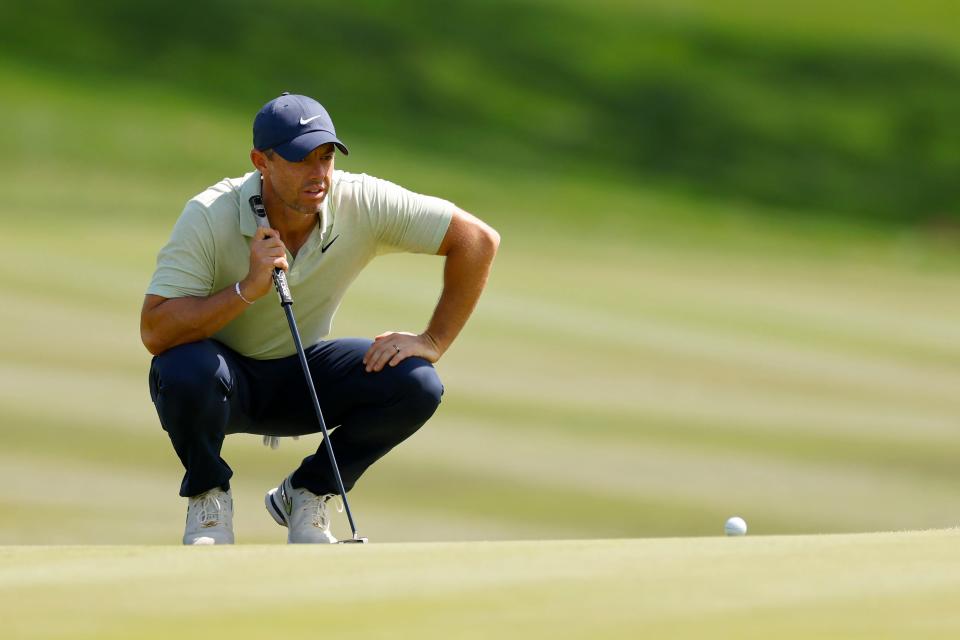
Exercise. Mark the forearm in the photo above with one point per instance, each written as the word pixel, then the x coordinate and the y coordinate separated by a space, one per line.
pixel 465 275
pixel 166 323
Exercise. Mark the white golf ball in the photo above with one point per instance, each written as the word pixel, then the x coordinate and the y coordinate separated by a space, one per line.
pixel 735 526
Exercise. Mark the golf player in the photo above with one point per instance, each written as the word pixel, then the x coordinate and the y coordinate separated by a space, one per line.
pixel 224 359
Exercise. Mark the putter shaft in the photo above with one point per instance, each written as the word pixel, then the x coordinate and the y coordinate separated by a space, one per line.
pixel 286 301
pixel 288 309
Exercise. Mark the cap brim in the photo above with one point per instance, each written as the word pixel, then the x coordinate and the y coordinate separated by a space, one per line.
pixel 297 149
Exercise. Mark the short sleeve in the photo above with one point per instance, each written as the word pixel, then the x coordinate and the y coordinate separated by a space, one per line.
pixel 403 220
pixel 185 265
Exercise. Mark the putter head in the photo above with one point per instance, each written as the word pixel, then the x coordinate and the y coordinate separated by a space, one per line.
pixel 354 541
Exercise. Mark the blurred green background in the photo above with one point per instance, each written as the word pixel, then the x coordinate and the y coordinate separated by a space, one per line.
pixel 727 282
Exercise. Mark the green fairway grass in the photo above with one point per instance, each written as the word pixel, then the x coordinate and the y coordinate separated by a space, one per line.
pixel 671 335
pixel 728 284
pixel 843 111
pixel 643 363
pixel 873 586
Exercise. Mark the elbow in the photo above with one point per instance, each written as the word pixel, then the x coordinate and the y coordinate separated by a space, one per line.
pixel 494 239
pixel 150 341
pixel 150 323
pixel 151 338
pixel 490 239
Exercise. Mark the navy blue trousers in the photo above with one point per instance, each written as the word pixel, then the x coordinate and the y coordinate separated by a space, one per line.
pixel 204 391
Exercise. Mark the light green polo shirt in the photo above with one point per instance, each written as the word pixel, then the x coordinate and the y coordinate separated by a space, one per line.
pixel 364 216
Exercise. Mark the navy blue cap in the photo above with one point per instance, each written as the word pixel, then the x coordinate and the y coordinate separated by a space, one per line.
pixel 293 126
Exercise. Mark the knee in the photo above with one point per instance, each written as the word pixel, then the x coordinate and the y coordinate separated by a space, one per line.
pixel 188 377
pixel 422 389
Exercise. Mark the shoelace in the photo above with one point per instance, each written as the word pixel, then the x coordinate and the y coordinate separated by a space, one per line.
pixel 208 510
pixel 317 508
pixel 274 441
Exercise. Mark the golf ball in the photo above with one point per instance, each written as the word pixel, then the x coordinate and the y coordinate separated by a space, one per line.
pixel 735 526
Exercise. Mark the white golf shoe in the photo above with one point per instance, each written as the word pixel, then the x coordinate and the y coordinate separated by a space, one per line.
pixel 209 518
pixel 302 512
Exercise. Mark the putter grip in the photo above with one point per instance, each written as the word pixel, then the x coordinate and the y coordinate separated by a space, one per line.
pixel 279 277
pixel 283 289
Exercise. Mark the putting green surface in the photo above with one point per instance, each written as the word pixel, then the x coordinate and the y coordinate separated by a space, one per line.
pixel 649 358
pixel 887 585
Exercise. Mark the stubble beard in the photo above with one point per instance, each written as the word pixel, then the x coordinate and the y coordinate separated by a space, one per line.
pixel 304 209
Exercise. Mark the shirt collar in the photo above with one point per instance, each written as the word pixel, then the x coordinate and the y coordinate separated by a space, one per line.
pixel 252 187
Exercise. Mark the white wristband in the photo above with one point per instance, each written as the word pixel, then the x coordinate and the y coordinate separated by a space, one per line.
pixel 236 288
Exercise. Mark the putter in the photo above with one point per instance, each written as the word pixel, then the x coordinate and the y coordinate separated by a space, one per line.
pixel 286 301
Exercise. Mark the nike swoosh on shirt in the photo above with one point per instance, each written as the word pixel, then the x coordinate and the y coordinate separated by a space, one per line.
pixel 302 121
pixel 324 249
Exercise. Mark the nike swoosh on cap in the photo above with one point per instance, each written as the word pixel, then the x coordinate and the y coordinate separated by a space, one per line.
pixel 302 121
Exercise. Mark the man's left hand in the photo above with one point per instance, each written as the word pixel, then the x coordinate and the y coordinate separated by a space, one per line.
pixel 394 347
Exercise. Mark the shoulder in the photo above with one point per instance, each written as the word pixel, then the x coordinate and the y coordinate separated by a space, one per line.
pixel 220 204
pixel 350 187
pixel 224 195
pixel 368 192
pixel 353 194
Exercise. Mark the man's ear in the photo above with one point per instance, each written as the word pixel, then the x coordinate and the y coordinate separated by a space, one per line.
pixel 259 160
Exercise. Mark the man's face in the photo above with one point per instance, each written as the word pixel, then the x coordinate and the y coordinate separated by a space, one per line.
pixel 300 186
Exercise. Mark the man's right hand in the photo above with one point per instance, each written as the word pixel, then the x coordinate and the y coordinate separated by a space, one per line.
pixel 266 252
